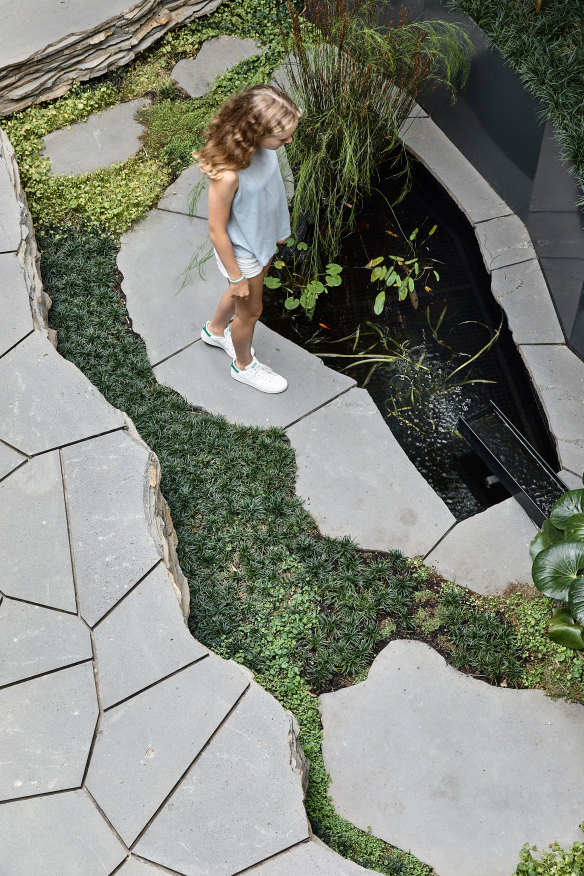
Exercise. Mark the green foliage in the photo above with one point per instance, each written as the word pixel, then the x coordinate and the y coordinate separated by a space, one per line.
pixel 479 640
pixel 547 50
pixel 291 277
pixel 556 862
pixel 558 567
pixel 356 84
pixel 405 273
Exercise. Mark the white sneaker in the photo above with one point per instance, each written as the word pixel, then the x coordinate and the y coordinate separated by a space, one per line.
pixel 224 342
pixel 259 376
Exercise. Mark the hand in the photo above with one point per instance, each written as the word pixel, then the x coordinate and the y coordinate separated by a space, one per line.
pixel 239 290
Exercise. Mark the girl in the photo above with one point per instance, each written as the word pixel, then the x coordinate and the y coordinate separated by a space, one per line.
pixel 248 216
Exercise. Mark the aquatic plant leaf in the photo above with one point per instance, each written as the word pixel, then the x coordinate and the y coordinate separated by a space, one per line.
pixel 574 530
pixel 379 303
pixel 556 568
pixel 391 278
pixel 302 246
pixel 333 268
pixel 272 282
pixel 333 280
pixel 576 599
pixel 373 263
pixel 567 505
pixel 563 630
pixel 545 538
pixel 375 274
pixel 432 230
pixel 291 303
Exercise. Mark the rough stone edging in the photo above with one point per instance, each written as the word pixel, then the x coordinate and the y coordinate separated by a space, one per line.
pixel 50 72
pixel 156 507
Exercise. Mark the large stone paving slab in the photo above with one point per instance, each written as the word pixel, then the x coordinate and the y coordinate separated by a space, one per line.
pixel 356 480
pixel 308 859
pixel 216 56
pixel 47 726
pixel 106 481
pixel 558 375
pixel 166 305
pixel 16 320
pixel 523 294
pixel 177 197
pixel 504 242
pixel 142 640
pixel 34 640
pixel 206 827
pixel 105 138
pixel 34 539
pixel 46 401
pixel 201 373
pixel 57 835
pixel 469 190
pixel 9 459
pixel 460 772
pixel 145 745
pixel 488 551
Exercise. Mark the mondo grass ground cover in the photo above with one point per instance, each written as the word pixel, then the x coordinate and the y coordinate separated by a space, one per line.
pixel 547 50
pixel 305 613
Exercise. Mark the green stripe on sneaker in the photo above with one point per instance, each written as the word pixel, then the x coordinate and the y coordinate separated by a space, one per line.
pixel 206 330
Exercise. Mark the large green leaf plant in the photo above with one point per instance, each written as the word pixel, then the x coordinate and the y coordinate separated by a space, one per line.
pixel 557 552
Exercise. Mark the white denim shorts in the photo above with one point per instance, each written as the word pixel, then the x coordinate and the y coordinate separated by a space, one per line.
pixel 248 267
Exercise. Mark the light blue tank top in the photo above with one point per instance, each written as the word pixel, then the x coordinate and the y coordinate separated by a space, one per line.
pixel 259 211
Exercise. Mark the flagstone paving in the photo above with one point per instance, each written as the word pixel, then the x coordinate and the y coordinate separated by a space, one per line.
pixel 105 138
pixel 197 75
pixel 112 715
pixel 460 772
pixel 154 751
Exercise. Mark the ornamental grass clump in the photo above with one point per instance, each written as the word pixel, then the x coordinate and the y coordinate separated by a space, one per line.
pixel 357 83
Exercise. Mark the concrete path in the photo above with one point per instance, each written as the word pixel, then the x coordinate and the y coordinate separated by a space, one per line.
pixel 459 772
pixel 105 138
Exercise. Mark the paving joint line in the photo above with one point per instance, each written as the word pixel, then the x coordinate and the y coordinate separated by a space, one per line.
pixel 69 536
pixel 441 539
pixel 14 346
pixel 172 355
pixel 42 794
pixel 161 867
pixel 155 683
pixel 191 765
pixel 41 605
pixel 275 855
pixel 125 595
pixel 47 672
pixel 180 213
pixel 79 441
pixel 323 405
pixel 105 818
pixel 16 467
pixel 16 449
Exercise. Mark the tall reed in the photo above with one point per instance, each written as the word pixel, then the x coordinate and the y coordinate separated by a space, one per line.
pixel 357 83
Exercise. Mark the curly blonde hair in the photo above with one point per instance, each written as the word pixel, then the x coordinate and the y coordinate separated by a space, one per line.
pixel 241 124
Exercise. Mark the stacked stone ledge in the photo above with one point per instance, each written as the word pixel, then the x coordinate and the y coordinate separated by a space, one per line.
pixel 106 35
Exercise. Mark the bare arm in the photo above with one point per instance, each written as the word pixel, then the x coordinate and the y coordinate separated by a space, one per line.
pixel 221 194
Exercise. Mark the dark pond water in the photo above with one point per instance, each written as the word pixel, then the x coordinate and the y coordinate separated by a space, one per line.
pixel 425 430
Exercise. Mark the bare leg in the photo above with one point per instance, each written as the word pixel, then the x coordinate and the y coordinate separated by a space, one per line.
pixel 247 313
pixel 223 314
